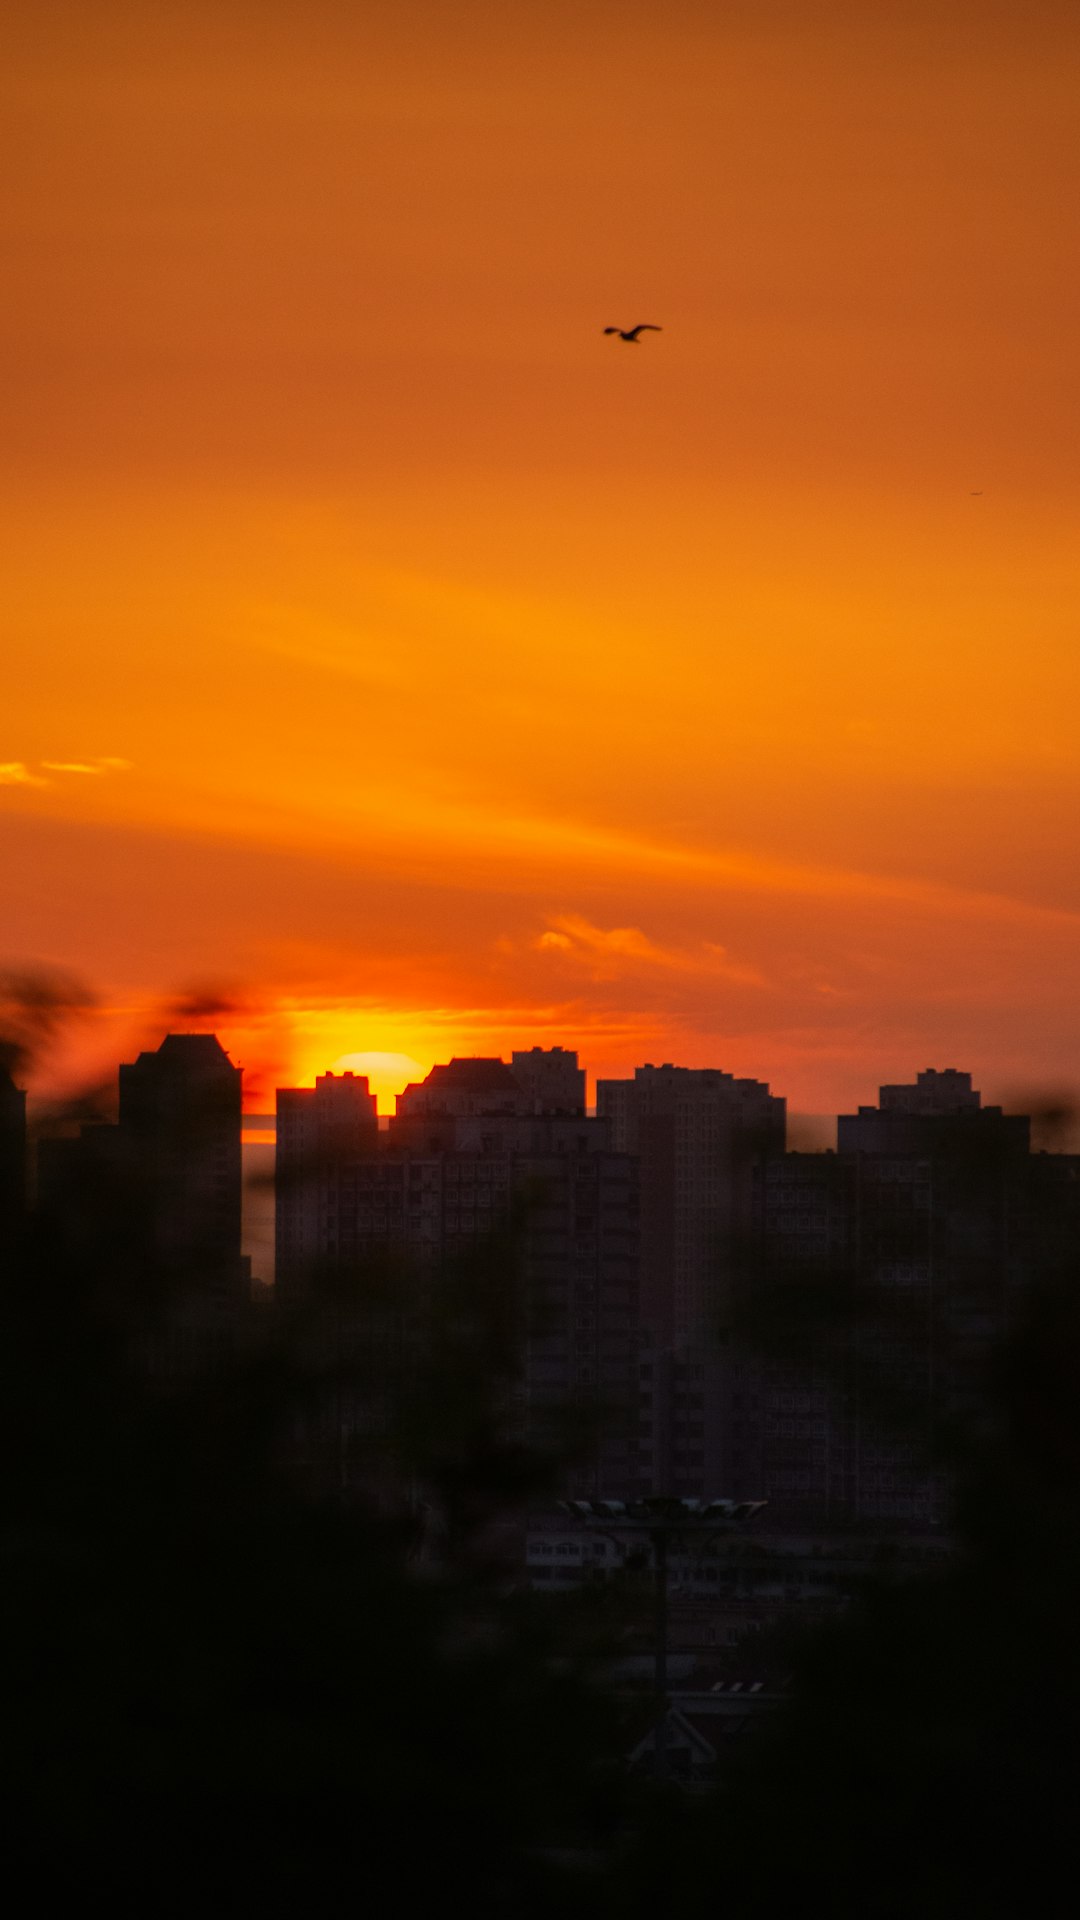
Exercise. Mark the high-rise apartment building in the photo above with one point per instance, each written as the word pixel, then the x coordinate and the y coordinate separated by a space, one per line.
pixel 794 1404
pixel 939 1113
pixel 909 1248
pixel 464 1086
pixel 319 1129
pixel 486 1142
pixel 472 1150
pixel 180 1128
pixel 697 1135
pixel 551 1079
pixel 12 1166
pixel 149 1210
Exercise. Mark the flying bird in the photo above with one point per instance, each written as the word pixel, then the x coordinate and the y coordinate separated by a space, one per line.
pixel 631 333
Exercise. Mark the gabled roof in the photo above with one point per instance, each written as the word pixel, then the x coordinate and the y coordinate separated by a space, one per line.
pixel 680 1724
pixel 473 1075
pixel 193 1045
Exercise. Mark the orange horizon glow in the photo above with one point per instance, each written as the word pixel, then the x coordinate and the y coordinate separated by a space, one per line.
pixel 393 656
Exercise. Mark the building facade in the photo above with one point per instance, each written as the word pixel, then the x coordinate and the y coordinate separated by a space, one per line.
pixel 149 1210
pixel 698 1136
pixel 319 1129
pixel 889 1271
pixel 477 1163
pixel 13 1196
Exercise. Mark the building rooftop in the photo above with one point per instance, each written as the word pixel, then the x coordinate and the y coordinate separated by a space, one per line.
pixel 187 1046
pixel 473 1078
pixel 471 1073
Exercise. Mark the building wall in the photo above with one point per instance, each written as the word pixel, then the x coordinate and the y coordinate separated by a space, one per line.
pixel 180 1122
pixel 895 1266
pixel 698 1136
pixel 12 1167
pixel 551 1079
pixel 147 1213
pixel 318 1128
pixel 441 1185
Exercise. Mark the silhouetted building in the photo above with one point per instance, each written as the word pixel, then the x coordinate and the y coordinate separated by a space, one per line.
pixel 464 1087
pixel 908 1249
pixel 940 1113
pixel 180 1122
pixel 318 1129
pixel 543 1082
pixel 794 1407
pixel 698 1135
pixel 469 1151
pixel 12 1167
pixel 149 1210
pixel 551 1080
pixel 517 1139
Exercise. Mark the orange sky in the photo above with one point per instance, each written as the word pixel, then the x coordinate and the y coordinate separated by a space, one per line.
pixel 386 646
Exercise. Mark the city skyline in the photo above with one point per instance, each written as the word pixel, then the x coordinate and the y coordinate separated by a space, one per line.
pixel 648 1255
pixel 54 1063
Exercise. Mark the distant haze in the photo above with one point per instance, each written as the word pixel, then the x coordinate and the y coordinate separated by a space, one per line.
pixel 811 1132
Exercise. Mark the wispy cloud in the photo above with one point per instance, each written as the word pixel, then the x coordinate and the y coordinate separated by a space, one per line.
pixel 612 950
pixel 106 763
pixel 15 773
pixel 429 822
pixel 572 934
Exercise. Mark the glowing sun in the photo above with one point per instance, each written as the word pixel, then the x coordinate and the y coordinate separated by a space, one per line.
pixel 387 1073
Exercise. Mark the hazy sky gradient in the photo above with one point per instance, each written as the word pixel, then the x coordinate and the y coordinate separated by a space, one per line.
pixel 382 640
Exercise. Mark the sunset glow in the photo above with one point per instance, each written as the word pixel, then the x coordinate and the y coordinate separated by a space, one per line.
pixel 386 1073
pixel 382 640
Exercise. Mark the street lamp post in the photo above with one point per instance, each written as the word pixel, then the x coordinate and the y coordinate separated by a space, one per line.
pixel 662 1518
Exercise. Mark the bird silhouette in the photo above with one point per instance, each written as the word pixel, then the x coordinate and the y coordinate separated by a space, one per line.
pixel 631 333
